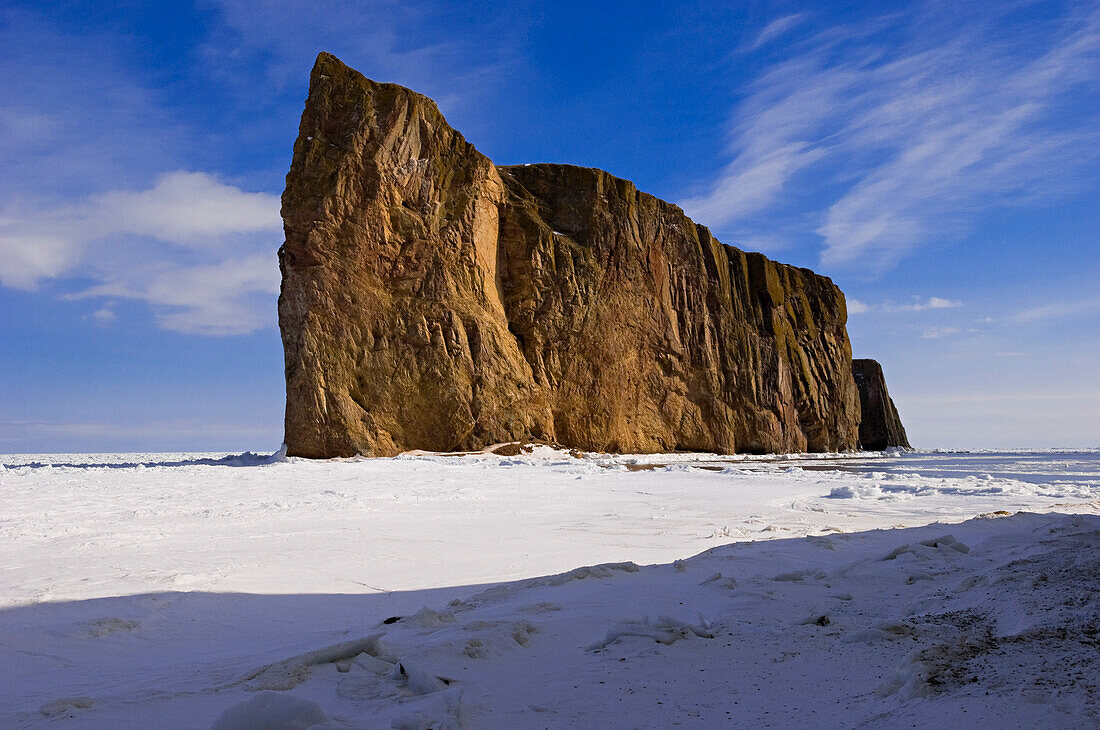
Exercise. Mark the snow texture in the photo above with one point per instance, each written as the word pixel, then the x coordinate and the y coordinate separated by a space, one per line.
pixel 271 711
pixel 432 591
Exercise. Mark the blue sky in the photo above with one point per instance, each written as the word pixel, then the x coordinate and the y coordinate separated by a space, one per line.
pixel 939 162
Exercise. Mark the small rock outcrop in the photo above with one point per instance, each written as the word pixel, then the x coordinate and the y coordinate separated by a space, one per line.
pixel 879 426
pixel 432 300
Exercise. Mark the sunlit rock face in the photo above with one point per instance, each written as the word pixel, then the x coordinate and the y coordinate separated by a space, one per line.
pixel 432 300
pixel 880 426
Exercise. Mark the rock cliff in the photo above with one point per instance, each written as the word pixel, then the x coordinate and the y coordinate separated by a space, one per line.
pixel 432 300
pixel 879 426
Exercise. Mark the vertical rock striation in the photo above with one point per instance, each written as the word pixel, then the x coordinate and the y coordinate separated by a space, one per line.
pixel 650 335
pixel 880 426
pixel 432 300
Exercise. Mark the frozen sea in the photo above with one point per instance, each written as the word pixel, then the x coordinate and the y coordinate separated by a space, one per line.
pixel 550 590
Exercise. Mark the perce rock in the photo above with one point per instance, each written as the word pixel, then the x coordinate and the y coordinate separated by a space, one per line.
pixel 432 300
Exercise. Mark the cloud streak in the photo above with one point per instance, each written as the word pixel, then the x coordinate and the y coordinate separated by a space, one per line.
pixel 918 305
pixel 86 123
pixel 776 28
pixel 936 333
pixel 895 134
pixel 200 251
pixel 1059 310
pixel 190 208
pixel 76 115
pixel 405 42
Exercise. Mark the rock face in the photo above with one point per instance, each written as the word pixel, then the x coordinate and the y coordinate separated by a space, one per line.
pixel 432 300
pixel 880 426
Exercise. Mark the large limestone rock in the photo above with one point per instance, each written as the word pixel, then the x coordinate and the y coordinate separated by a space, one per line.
pixel 880 426
pixel 432 300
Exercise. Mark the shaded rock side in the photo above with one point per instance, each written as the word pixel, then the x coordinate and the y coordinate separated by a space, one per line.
pixel 880 426
pixel 432 300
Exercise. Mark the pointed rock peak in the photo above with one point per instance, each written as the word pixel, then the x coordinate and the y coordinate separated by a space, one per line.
pixel 326 61
pixel 328 68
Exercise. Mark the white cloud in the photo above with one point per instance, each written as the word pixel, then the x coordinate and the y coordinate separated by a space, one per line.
pixel 30 253
pixel 857 307
pixel 186 207
pixel 917 305
pixel 935 333
pixel 232 296
pixel 104 315
pixel 82 135
pixel 201 252
pixel 909 133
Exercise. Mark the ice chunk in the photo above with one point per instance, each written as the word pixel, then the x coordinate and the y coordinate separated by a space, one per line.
pixel 417 680
pixel 665 630
pixel 428 619
pixel 945 543
pixel 288 673
pixel 605 570
pixel 720 580
pixel 272 711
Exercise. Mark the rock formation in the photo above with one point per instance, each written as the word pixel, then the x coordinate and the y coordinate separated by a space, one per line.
pixel 879 426
pixel 432 300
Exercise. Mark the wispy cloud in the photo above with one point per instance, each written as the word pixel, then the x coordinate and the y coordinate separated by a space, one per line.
pixel 86 124
pixel 199 250
pixel 408 42
pixel 917 305
pixel 920 306
pixel 911 126
pixel 83 131
pixel 104 316
pixel 1059 310
pixel 776 28
pixel 75 114
pixel 233 296
pixel 935 333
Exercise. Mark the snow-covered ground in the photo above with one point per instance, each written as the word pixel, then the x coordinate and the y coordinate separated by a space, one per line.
pixel 163 590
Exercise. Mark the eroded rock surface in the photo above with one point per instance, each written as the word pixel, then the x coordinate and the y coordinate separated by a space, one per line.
pixel 880 426
pixel 432 300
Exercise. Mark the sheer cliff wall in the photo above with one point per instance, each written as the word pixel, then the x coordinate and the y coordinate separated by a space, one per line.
pixel 432 300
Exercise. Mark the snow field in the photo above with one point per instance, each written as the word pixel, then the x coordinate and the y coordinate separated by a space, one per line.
pixel 369 592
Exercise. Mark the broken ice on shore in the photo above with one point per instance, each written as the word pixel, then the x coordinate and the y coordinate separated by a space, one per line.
pixel 444 591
